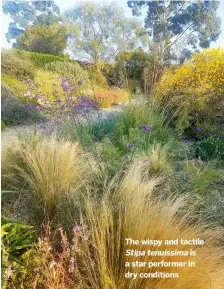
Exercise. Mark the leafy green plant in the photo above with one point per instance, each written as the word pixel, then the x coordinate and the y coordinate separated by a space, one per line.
pixel 17 241
pixel 210 148
pixel 101 129
pixel 96 74
pixel 129 70
pixel 16 250
pixel 41 59
pixel 122 135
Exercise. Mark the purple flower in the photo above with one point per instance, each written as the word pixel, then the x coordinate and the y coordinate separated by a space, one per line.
pixel 198 129
pixel 80 82
pixel 84 104
pixel 144 127
pixel 130 145
pixel 64 87
pixel 145 161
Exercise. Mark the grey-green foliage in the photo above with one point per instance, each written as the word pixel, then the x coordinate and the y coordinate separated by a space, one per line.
pixel 98 31
pixel 25 13
pixel 71 70
pixel 177 27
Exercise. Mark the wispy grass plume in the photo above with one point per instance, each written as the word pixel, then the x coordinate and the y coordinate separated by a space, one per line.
pixel 133 211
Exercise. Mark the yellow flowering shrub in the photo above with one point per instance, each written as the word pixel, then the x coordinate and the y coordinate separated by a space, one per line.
pixel 196 87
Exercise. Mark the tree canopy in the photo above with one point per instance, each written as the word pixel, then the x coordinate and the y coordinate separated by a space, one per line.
pixel 100 31
pixel 51 39
pixel 179 25
pixel 24 13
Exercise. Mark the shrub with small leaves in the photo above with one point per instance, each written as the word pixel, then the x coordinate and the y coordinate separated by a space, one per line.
pixel 71 70
pixel 210 148
pixel 16 64
pixel 41 59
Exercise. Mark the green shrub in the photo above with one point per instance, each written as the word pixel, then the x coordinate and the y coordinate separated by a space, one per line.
pixel 17 64
pixel 129 70
pixel 101 129
pixel 40 59
pixel 210 148
pixel 71 70
pixel 77 132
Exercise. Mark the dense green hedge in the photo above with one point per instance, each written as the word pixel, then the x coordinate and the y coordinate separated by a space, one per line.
pixel 34 58
pixel 71 70
pixel 40 59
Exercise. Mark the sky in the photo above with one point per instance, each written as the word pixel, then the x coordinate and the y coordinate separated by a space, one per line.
pixel 65 4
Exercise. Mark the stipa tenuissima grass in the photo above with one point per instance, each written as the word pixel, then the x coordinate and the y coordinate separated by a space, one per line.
pixel 133 211
pixel 47 168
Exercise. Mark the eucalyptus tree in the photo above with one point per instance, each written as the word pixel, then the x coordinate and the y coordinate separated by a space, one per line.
pixel 182 26
pixel 98 31
pixel 29 13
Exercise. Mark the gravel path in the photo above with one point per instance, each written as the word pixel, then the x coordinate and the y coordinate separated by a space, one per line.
pixel 26 129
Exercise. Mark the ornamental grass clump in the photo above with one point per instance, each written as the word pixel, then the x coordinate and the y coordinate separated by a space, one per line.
pixel 134 211
pixel 202 177
pixel 156 161
pixel 46 168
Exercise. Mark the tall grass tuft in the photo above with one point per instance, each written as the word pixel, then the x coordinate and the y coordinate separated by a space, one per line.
pixel 46 168
pixel 156 161
pixel 133 211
